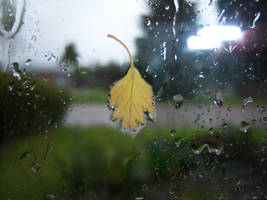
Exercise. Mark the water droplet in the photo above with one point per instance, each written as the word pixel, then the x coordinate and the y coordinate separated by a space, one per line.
pixel 111 107
pixel 11 86
pixel 19 92
pixel 229 108
pixel 147 22
pixel 217 151
pixel 200 176
pixel 25 155
pixel 167 7
pixel 16 71
pixel 253 121
pixel 37 94
pixel 50 121
pixel 224 20
pixel 34 38
pixel 208 92
pixel 247 101
pixel 56 125
pixel 178 100
pixel 173 132
pixel 260 108
pixel 159 99
pixel 244 126
pixel 232 48
pixel 35 167
pixel 147 68
pixel 33 86
pixel 239 187
pixel 224 125
pixel 211 130
pixel 149 116
pixel 218 101
pixel 50 56
pixel 197 118
pixel 50 196
pixel 28 62
pixel 178 142
pixel 33 170
pixel 175 57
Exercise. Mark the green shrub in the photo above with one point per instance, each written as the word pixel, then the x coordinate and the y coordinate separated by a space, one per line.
pixel 98 77
pixel 159 163
pixel 28 106
pixel 111 165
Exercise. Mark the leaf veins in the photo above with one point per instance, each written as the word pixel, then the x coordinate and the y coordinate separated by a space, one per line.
pixel 132 96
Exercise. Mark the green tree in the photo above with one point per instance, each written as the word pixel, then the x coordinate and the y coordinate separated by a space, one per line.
pixel 164 60
pixel 163 57
pixel 70 55
pixel 69 62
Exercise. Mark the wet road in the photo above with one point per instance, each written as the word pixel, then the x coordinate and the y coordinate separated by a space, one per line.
pixel 205 116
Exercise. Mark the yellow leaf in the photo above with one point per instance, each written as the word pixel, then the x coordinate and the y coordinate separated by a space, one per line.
pixel 131 96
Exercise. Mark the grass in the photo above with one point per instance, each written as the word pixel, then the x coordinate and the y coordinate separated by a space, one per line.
pixel 82 160
pixel 228 99
pixel 30 167
pixel 30 176
pixel 101 96
pixel 89 96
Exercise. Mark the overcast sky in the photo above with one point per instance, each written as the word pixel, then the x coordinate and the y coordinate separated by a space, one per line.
pixel 51 24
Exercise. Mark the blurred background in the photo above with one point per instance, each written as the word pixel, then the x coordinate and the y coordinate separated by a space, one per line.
pixel 206 62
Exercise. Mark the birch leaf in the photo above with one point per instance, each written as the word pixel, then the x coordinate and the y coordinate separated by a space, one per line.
pixel 131 97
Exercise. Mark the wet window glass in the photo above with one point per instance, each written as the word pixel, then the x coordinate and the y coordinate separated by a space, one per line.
pixel 136 99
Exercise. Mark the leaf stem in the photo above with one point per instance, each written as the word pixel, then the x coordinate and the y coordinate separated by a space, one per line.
pixel 124 45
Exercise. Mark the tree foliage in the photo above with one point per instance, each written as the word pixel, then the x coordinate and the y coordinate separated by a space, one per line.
pixel 166 62
pixel 70 54
pixel 163 58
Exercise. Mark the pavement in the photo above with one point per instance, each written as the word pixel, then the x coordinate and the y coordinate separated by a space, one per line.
pixel 168 116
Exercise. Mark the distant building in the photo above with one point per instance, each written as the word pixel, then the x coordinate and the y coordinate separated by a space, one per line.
pixel 52 75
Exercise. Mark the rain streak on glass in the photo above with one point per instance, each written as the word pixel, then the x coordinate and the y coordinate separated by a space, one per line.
pixel 217 151
pixel 15 11
pixel 176 4
pixel 247 101
pixel 257 16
